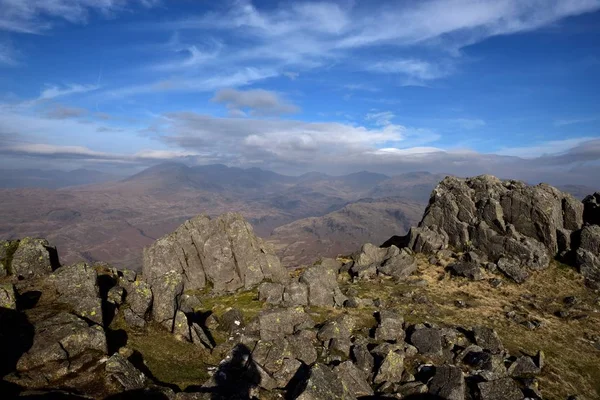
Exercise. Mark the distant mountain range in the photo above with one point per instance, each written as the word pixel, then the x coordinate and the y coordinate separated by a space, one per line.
pixel 93 216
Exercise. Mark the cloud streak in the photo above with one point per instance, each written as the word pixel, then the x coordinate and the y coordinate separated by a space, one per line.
pixel 256 101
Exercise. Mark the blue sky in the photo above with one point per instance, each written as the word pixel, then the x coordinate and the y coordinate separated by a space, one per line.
pixel 507 87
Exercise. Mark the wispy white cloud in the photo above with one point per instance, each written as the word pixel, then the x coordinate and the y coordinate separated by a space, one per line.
pixel 381 118
pixel 544 148
pixel 573 121
pixel 469 123
pixel 54 91
pixel 414 71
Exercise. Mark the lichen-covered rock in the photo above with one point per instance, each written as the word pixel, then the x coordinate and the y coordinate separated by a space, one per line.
pixel 275 324
pixel 501 389
pixel 323 289
pixel 323 384
pixel 7 296
pixel 391 369
pixel 115 295
pixel 501 218
pixel 295 294
pixel 223 251
pixel 390 327
pixel 524 367
pixel 77 286
pixel 289 368
pixel 166 290
pixel 270 292
pixel 139 298
pixel 448 382
pixel 181 328
pixel 33 257
pixel 63 344
pixel 121 371
pixel 353 378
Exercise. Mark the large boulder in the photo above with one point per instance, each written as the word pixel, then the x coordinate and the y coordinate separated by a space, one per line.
pixel 223 252
pixel 390 261
pixel 500 219
pixel 448 382
pixel 323 384
pixel 77 286
pixel 32 257
pixel 323 289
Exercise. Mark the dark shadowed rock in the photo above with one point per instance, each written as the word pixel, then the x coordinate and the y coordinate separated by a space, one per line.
pixel 77 286
pixel 448 382
pixel 400 265
pixel 488 339
pixel 513 269
pixel 7 249
pixel 122 372
pixel 501 389
pixel 323 384
pixel 363 359
pixel 289 368
pixel 591 211
pixel 33 257
pixel 354 379
pixel 524 367
pixel 466 269
pixel 427 340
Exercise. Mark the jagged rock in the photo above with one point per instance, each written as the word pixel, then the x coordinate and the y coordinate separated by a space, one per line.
pixel 391 369
pixel 139 298
pixel 289 368
pixel 301 346
pixel 323 384
pixel 33 257
pixel 271 354
pixel 63 344
pixel 354 379
pixel 427 340
pixel 337 328
pixel 524 367
pixel 166 290
pixel 323 289
pixel 501 218
pixel 223 251
pixel 390 327
pixel 363 359
pixel 199 337
pixel 591 210
pixel 369 255
pixel 501 389
pixel 270 292
pixel 275 324
pixel 448 382
pixel 331 264
pixel 513 270
pixel 425 240
pixel 295 294
pixel 400 265
pixel 115 295
pixel 488 339
pixel 120 370
pixel 488 366
pixel 467 269
pixel 129 275
pixel 7 296
pixel 77 286
pixel 588 253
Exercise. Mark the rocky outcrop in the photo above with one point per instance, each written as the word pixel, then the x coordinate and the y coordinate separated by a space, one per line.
pixel 390 261
pixel 526 225
pixel 27 258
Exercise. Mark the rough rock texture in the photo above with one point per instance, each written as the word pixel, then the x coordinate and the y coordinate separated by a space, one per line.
pixel 390 327
pixel 7 296
pixel 354 379
pixel 501 389
pixel 588 253
pixel 275 324
pixel 270 292
pixel 323 289
pixel 498 218
pixel 63 344
pixel 77 286
pixel 466 269
pixel 223 251
pixel 295 294
pixel 120 370
pixel 33 257
pixel 390 261
pixel 391 369
pixel 323 384
pixel 427 340
pixel 448 382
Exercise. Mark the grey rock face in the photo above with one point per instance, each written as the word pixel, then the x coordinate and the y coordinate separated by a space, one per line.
pixel 422 239
pixel 166 290
pixel 427 340
pixel 524 367
pixel 513 269
pixel 448 382
pixel 501 389
pixel 391 369
pixel 353 379
pixel 323 289
pixel 488 339
pixel 323 384
pixel 77 286
pixel 139 298
pixel 7 296
pixel 391 261
pixel 60 339
pixel 587 256
pixel 501 218
pixel 121 371
pixel 33 257
pixel 390 327
pixel 363 358
pixel 400 265
pixel 275 324
pixel 295 294
pixel 270 292
pixel 223 251
pixel 302 346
